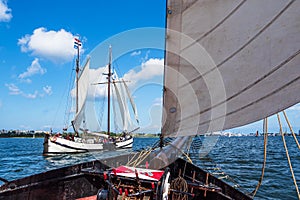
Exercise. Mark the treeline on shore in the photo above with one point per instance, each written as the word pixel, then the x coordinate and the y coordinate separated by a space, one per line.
pixel 31 134
pixel 26 135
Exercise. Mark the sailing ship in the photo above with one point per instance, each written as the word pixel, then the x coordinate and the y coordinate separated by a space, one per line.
pixel 227 64
pixel 85 140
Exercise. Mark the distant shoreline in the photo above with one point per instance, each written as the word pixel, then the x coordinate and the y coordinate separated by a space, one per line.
pixel 41 135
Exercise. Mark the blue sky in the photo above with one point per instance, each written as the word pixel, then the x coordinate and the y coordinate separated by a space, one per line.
pixel 37 57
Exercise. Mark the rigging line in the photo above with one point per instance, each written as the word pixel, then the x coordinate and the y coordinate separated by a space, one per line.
pixel 265 126
pixel 69 98
pixel 134 161
pixel 288 157
pixel 282 64
pixel 181 151
pixel 67 90
pixel 249 41
pixel 101 109
pixel 291 129
pixel 141 159
pixel 218 169
pixel 187 153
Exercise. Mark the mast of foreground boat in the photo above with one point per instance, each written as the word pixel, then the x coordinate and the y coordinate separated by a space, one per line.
pixel 161 137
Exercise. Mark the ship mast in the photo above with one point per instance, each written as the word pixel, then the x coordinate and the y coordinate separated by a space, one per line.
pixel 77 77
pixel 77 44
pixel 108 91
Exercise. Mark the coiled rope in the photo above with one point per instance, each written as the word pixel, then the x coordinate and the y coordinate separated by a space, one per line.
pixel 287 155
pixel 179 184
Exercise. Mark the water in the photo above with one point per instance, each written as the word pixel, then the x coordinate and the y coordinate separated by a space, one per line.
pixel 239 157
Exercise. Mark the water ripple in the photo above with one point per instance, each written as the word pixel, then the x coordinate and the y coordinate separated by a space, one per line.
pixel 239 157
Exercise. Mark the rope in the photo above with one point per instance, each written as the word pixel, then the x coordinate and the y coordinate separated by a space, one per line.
pixel 181 151
pixel 179 184
pixel 291 129
pixel 141 157
pixel 133 159
pixel 188 154
pixel 265 157
pixel 288 157
pixel 69 99
pixel 145 153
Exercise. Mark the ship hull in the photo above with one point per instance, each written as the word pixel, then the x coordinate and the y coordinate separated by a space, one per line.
pixel 58 145
pixel 87 179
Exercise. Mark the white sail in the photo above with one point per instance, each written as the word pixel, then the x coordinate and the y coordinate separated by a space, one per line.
pixel 133 106
pixel 83 86
pixel 122 99
pixel 229 63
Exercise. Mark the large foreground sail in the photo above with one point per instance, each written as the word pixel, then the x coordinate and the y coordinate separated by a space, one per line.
pixel 229 63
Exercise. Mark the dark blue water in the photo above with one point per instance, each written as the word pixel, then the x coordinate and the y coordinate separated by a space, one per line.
pixel 239 157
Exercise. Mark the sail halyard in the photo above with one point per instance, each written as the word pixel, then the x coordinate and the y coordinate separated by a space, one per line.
pixel 225 67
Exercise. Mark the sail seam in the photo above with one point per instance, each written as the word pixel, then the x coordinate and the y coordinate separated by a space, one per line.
pixel 246 44
pixel 191 5
pixel 253 84
pixel 250 104
pixel 216 26
pixel 248 87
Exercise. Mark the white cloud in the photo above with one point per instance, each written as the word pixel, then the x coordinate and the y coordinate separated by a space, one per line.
pixel 31 96
pixel 13 89
pixel 27 80
pixel 142 75
pixel 95 76
pixel 146 72
pixel 135 53
pixel 5 12
pixel 47 89
pixel 149 69
pixel 57 46
pixel 146 56
pixel 34 68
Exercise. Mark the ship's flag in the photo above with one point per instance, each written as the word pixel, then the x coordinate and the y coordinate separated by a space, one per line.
pixel 77 43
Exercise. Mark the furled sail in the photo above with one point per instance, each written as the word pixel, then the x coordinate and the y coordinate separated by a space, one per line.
pixel 229 63
pixel 83 86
